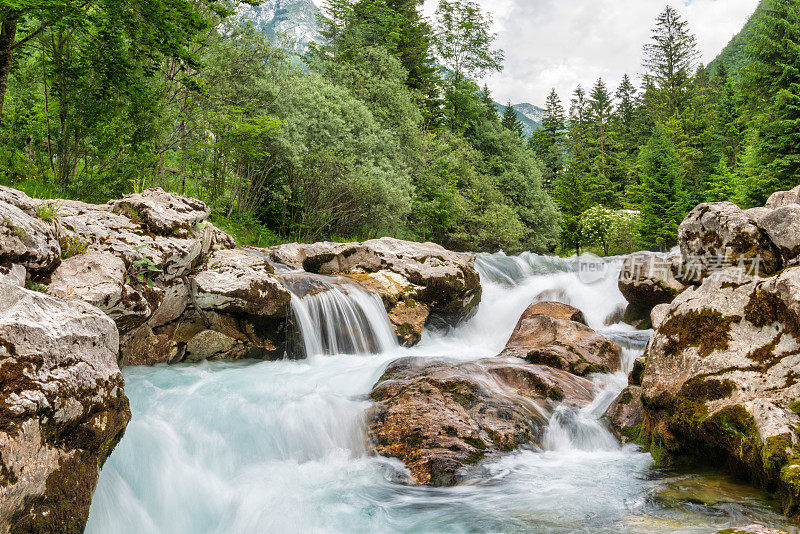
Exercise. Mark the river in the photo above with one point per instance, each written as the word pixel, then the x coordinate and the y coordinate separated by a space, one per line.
pixel 257 446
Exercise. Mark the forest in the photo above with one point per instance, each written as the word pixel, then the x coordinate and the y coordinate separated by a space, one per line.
pixel 383 127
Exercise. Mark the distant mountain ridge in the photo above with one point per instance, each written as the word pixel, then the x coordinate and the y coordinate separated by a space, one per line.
pixel 734 55
pixel 530 115
pixel 293 19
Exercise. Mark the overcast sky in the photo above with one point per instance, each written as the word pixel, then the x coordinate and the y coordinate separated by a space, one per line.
pixel 563 43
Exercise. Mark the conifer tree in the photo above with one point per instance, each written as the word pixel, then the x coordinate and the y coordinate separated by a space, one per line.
pixel 573 198
pixel 662 209
pixel 624 112
pixel 670 58
pixel 548 141
pixel 773 85
pixel 511 121
pixel 602 150
pixel 722 184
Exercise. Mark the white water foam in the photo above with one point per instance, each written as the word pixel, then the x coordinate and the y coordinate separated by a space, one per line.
pixel 252 447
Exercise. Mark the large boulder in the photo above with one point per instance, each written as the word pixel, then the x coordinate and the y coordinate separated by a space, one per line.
pixel 440 417
pixel 25 239
pixel 646 280
pixel 782 225
pixel 721 377
pixel 561 342
pixel 444 282
pixel 99 278
pixel 720 234
pixel 161 212
pixel 62 409
pixel 779 199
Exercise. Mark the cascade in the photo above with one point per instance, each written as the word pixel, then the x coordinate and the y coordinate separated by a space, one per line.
pixel 281 446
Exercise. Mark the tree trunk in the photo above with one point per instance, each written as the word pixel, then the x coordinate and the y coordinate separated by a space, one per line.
pixel 8 33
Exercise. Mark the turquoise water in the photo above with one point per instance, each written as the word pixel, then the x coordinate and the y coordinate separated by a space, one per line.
pixel 258 447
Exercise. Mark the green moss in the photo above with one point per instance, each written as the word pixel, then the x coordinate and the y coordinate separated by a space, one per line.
pixel 475 442
pixel 795 407
pixel 474 457
pixel 626 397
pixel 708 330
pixel 702 389
pixel 766 308
pixel 633 433
pixel 637 374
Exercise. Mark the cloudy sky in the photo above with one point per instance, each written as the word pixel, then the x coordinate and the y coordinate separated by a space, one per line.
pixel 563 43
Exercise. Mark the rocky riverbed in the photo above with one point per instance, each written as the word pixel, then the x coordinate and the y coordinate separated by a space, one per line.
pixel 86 290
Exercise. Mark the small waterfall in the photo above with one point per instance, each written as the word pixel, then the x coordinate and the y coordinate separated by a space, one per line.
pixel 583 429
pixel 342 319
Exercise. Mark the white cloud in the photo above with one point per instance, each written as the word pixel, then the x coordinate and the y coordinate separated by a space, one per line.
pixel 563 43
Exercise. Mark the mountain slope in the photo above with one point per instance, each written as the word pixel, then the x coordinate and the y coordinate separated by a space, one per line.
pixel 530 115
pixel 292 19
pixel 734 55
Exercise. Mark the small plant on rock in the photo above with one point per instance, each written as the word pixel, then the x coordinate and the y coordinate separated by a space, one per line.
pixel 47 211
pixel 33 286
pixel 143 269
pixel 72 245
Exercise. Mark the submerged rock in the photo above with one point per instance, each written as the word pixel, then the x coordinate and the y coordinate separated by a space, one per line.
pixel 440 417
pixel 560 342
pixel 62 408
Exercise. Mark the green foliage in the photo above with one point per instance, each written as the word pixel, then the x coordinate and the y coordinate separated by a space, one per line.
pixel 511 122
pixel 662 204
pixel 772 82
pixel 47 211
pixel 142 270
pixel 33 286
pixel 614 231
pixel 72 245
pixel 722 184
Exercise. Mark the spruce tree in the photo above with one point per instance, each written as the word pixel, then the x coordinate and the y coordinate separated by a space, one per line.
pixel 511 121
pixel 603 152
pixel 773 85
pixel 625 110
pixel 548 141
pixel 670 59
pixel 662 208
pixel 573 198
pixel 722 184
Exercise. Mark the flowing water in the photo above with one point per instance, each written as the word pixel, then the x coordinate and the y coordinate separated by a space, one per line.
pixel 280 446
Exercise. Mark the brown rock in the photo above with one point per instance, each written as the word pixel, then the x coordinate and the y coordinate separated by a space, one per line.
pixel 556 310
pixel 439 417
pixel 563 344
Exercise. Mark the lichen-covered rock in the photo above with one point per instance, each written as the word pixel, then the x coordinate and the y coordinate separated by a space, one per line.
pixel 146 255
pixel 782 225
pixel 25 239
pixel 562 343
pixel 779 199
pixel 446 282
pixel 161 212
pixel 721 377
pixel 752 529
pixel 238 294
pixel 440 417
pixel 720 233
pixel 62 409
pixel 99 278
pixel 647 280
